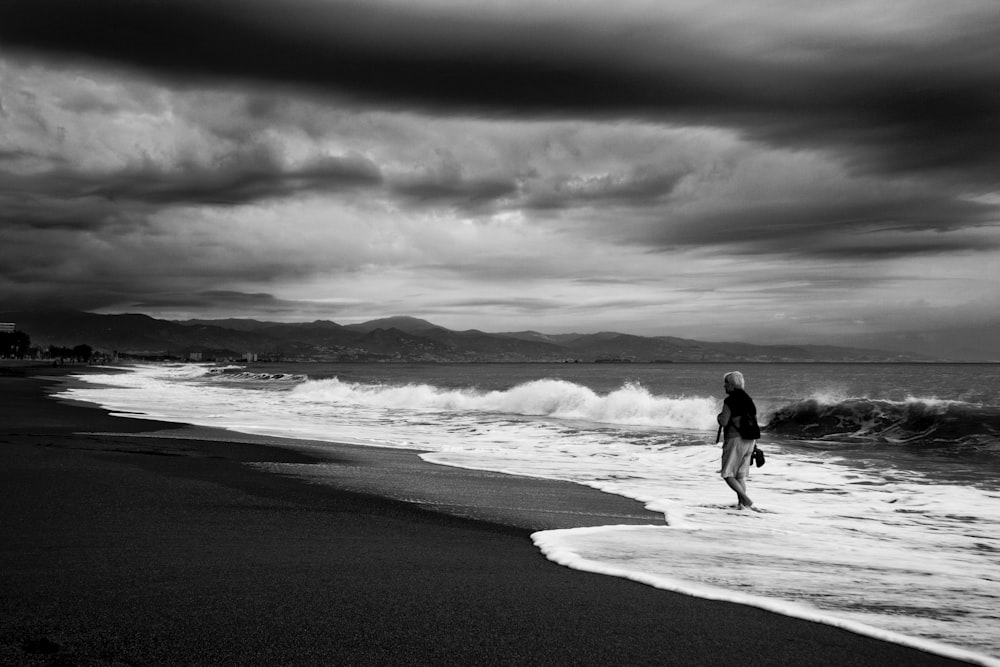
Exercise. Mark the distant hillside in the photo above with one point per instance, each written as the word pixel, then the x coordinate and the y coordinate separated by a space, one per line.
pixel 410 325
pixel 395 339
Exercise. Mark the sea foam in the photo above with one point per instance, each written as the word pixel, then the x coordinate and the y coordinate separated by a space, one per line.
pixel 630 552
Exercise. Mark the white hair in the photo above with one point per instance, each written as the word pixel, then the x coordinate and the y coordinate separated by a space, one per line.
pixel 735 378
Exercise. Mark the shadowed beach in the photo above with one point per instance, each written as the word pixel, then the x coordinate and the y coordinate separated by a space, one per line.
pixel 140 542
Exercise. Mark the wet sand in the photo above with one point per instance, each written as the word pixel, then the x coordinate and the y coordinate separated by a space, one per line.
pixel 128 541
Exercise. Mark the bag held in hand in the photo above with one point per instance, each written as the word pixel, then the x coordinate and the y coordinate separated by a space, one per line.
pixel 758 457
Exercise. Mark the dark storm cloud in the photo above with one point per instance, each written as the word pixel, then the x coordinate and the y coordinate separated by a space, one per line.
pixel 209 302
pixel 41 296
pixel 37 209
pixel 636 188
pixel 221 299
pixel 853 228
pixel 462 193
pixel 863 249
pixel 78 198
pixel 918 103
pixel 238 183
pixel 414 56
pixel 643 186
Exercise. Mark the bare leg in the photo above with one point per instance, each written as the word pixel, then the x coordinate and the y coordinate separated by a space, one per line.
pixel 739 486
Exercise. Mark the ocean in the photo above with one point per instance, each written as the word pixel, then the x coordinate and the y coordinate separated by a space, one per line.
pixel 880 496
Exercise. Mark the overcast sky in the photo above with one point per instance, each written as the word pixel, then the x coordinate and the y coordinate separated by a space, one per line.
pixel 785 171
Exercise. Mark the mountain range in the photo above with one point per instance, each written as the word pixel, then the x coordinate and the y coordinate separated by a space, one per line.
pixel 402 339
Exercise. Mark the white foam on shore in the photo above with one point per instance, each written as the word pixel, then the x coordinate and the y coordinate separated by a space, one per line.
pixel 600 550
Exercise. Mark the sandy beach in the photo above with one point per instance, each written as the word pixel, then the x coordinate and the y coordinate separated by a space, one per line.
pixel 139 542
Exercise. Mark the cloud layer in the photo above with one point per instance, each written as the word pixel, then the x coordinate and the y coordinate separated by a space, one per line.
pixel 754 171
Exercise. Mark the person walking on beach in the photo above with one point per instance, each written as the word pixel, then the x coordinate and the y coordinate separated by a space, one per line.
pixel 736 452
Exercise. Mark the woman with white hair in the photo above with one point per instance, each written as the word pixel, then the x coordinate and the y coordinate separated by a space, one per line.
pixel 736 451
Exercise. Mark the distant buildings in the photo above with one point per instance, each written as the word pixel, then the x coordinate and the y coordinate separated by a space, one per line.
pixel 6 327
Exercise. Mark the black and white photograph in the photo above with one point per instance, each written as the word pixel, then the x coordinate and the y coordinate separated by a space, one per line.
pixel 489 332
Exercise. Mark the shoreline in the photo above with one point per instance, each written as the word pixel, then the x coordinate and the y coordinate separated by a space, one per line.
pixel 141 541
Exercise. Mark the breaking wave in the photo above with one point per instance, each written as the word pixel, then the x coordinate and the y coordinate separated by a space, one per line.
pixel 239 374
pixel 927 422
pixel 631 404
pixel 916 420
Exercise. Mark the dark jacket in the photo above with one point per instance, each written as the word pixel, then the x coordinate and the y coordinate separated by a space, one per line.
pixel 738 403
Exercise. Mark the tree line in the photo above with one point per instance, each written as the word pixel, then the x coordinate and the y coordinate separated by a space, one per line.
pixel 14 344
pixel 17 345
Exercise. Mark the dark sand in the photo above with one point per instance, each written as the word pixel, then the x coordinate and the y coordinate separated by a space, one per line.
pixel 130 542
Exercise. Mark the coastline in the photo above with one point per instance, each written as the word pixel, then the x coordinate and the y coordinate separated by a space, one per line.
pixel 135 541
